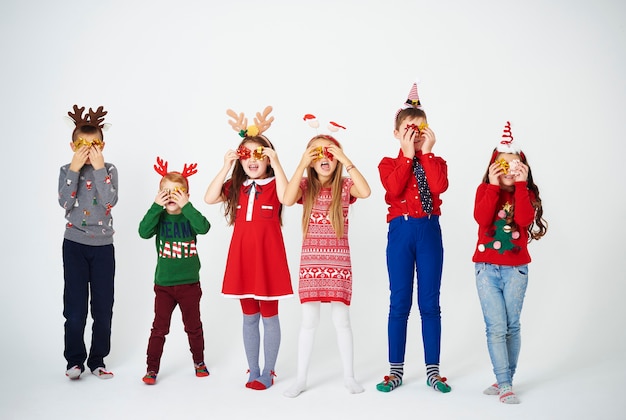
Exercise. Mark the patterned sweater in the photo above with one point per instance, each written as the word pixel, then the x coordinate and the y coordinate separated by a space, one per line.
pixel 88 197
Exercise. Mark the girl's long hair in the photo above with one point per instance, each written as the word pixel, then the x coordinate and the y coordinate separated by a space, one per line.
pixel 239 176
pixel 335 211
pixel 539 227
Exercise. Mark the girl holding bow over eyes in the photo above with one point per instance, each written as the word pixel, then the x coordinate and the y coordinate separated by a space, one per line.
pixel 256 269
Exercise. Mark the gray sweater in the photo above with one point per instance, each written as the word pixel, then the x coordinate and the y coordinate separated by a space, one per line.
pixel 88 197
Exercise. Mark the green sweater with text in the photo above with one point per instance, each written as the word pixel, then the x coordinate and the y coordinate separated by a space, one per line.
pixel 175 240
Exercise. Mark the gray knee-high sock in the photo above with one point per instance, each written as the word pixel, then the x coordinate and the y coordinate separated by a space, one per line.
pixel 271 344
pixel 252 343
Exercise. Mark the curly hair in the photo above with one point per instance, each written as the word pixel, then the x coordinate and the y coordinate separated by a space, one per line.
pixel 539 226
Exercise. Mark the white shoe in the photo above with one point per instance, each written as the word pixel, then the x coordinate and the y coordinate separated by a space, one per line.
pixel 73 372
pixel 101 373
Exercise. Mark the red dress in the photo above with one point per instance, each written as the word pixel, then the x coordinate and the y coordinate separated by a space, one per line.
pixel 257 263
pixel 325 267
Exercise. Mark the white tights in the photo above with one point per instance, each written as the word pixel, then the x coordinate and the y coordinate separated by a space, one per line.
pixel 310 321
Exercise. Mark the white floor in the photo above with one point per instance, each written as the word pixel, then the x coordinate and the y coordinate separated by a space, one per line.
pixel 548 390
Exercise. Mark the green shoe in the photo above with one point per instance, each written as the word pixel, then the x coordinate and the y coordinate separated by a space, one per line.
pixel 440 384
pixel 388 384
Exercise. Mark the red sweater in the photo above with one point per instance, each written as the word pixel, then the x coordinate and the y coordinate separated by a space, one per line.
pixel 402 194
pixel 497 242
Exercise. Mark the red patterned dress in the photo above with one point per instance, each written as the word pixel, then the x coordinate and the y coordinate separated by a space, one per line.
pixel 257 263
pixel 325 266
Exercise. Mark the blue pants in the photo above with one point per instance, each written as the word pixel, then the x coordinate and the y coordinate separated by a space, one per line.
pixel 88 270
pixel 414 249
pixel 501 290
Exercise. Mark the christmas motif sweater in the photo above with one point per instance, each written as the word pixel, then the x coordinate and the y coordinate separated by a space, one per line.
pixel 503 219
pixel 88 197
pixel 177 256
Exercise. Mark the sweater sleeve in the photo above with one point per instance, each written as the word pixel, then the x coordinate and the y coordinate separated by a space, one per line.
pixel 198 222
pixel 149 224
pixel 485 203
pixel 524 210
pixel 68 185
pixel 106 183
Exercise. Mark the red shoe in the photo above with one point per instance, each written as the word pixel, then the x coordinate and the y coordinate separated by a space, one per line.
pixel 260 386
pixel 201 370
pixel 150 378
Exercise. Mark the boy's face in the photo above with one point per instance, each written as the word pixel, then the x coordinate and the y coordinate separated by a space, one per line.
pixel 412 127
pixel 171 206
pixel 87 140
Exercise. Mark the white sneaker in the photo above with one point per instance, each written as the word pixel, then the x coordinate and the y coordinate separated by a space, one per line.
pixel 73 372
pixel 101 373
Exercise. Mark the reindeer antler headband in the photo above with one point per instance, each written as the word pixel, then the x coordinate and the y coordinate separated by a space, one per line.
pixel 161 168
pixel 92 118
pixel 239 122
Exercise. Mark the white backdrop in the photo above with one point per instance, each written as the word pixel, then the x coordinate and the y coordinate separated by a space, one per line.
pixel 167 71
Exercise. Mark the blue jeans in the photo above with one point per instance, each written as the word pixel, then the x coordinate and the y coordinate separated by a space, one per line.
pixel 501 290
pixel 414 256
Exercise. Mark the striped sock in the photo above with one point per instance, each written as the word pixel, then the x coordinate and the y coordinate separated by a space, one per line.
pixel 434 380
pixel 394 380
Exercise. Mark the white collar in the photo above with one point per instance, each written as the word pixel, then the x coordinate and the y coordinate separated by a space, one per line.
pixel 263 181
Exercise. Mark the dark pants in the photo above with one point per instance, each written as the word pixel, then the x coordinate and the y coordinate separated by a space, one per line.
pixel 187 296
pixel 414 251
pixel 88 270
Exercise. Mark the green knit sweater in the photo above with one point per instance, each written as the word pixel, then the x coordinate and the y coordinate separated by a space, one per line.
pixel 177 257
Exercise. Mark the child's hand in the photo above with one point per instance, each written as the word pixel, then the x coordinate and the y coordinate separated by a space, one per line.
pixel 308 157
pixel 230 157
pixel 162 197
pixel 429 140
pixel 407 142
pixel 80 157
pixel 179 197
pixel 521 172
pixel 95 157
pixel 271 154
pixel 338 154
pixel 495 170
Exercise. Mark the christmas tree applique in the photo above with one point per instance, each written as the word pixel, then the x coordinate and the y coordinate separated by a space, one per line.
pixel 502 233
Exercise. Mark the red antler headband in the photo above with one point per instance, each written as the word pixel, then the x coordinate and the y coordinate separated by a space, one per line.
pixel 161 168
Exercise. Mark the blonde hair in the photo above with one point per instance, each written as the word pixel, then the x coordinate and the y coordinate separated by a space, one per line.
pixel 335 211
pixel 175 177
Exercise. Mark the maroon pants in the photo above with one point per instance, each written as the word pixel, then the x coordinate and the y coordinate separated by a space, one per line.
pixel 187 297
